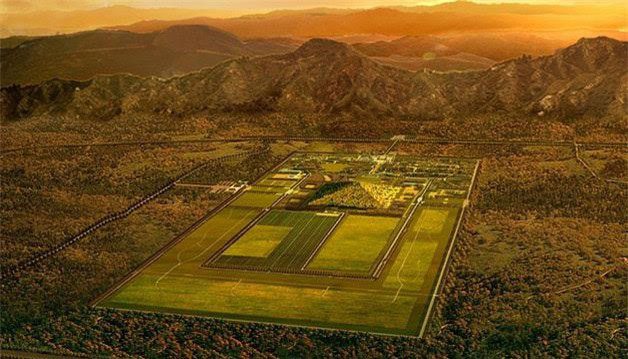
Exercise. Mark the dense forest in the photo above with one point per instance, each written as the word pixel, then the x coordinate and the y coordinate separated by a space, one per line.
pixel 53 131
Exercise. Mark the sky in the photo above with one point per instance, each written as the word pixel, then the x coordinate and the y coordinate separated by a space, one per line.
pixel 244 5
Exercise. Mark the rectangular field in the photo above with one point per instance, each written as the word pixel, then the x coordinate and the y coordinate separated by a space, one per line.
pixel 355 246
pixel 256 199
pixel 259 242
pixel 422 247
pixel 372 268
pixel 299 233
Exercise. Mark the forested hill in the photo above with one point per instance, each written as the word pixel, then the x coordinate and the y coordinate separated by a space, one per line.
pixel 324 76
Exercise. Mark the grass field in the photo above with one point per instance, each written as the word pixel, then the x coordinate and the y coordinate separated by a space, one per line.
pixel 431 220
pixel 246 262
pixel 279 303
pixel 423 246
pixel 256 199
pixel 300 233
pixel 258 242
pixel 355 245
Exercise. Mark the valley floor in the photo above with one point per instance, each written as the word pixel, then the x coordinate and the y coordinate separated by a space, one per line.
pixel 538 268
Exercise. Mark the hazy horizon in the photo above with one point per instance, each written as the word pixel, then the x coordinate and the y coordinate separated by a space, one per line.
pixel 226 8
pixel 23 17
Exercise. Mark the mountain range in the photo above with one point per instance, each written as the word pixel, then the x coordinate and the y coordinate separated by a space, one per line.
pixel 174 51
pixel 325 76
pixel 16 21
pixel 456 17
pixel 181 49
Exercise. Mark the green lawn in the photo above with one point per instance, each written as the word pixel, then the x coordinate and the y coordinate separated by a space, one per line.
pixel 259 241
pixel 355 244
pixel 256 199
pixel 290 237
pixel 424 245
pixel 431 220
pixel 331 308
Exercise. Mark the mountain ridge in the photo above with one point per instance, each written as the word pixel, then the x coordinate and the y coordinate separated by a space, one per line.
pixel 438 19
pixel 173 51
pixel 324 76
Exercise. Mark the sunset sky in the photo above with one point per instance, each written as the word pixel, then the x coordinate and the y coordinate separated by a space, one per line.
pixel 244 5
pixel 25 17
